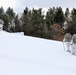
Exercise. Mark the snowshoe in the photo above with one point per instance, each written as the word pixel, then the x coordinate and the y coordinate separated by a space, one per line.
pixel 68 51
pixel 73 54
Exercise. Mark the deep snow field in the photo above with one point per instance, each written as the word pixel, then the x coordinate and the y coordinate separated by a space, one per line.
pixel 24 55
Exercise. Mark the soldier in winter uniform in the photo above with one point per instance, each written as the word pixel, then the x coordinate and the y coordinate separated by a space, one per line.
pixel 67 40
pixel 73 44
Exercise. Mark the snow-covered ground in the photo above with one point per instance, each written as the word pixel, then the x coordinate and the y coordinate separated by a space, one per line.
pixel 24 55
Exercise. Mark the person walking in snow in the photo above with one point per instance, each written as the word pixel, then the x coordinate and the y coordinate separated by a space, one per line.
pixel 67 40
pixel 73 44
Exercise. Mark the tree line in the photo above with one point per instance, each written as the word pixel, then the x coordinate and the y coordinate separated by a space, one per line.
pixel 35 23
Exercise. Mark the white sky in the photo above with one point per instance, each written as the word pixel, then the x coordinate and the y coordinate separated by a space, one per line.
pixel 19 5
pixel 8 3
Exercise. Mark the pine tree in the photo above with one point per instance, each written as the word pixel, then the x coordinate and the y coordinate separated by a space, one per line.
pixel 50 17
pixel 67 13
pixel 59 16
pixel 1 11
pixel 11 15
pixel 6 20
pixel 37 22
pixel 17 24
pixel 71 25
pixel 33 22
pixel 4 17
pixel 25 20
pixel 73 11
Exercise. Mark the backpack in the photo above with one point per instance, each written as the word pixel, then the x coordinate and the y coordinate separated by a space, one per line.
pixel 68 37
pixel 74 38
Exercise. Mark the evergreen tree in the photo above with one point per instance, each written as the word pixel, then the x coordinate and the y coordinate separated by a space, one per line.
pixel 25 19
pixel 6 20
pixel 71 25
pixel 4 17
pixel 17 24
pixel 59 16
pixel 11 15
pixel 73 12
pixel 33 22
pixel 1 11
pixel 67 13
pixel 37 23
pixel 50 17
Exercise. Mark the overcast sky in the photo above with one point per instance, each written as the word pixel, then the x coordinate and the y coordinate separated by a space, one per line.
pixel 19 5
